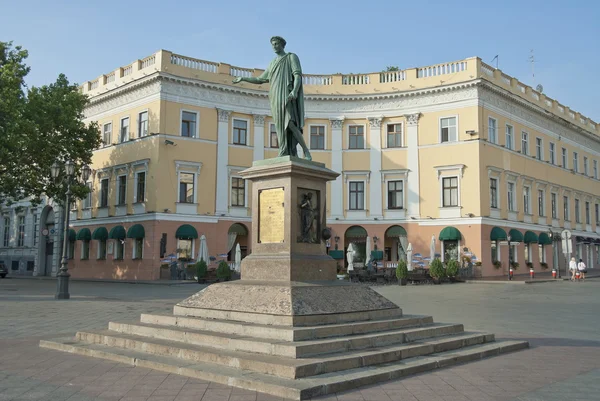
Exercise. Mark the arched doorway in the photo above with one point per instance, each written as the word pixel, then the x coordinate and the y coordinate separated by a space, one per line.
pixel 47 239
pixel 357 236
pixel 395 244
pixel 237 234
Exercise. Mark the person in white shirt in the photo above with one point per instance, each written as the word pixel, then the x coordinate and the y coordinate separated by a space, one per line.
pixel 573 268
pixel 582 268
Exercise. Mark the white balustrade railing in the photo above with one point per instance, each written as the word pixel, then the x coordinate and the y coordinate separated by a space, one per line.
pixel 392 76
pixel 521 87
pixel 355 79
pixel 109 78
pixel 148 61
pixel 561 109
pixel 487 70
pixel 572 115
pixel 93 84
pixel 317 80
pixel 195 64
pixel 535 95
pixel 582 120
pixel 441 69
pixel 127 70
pixel 240 72
pixel 506 79
pixel 548 103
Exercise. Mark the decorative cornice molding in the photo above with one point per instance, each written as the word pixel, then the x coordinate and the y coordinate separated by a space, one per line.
pixel 412 119
pixel 224 115
pixel 336 123
pixel 259 120
pixel 375 122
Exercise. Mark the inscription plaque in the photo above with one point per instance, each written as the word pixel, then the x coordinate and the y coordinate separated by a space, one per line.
pixel 271 217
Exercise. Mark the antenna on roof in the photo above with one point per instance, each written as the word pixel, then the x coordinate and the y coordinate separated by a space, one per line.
pixel 532 61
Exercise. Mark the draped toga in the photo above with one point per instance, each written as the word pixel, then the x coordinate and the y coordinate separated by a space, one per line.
pixel 280 74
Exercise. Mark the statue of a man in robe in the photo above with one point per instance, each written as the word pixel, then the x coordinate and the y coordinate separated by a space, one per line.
pixel 286 97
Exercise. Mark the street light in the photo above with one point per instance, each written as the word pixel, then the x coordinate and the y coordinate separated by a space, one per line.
pixel 554 238
pixel 62 286
pixel 337 239
pixel 509 259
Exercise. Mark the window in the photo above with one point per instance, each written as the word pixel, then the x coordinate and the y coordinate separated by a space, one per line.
pixel 597 209
pixel 104 193
pixel 566 208
pixel 143 124
pixel 553 206
pixel 527 253
pixel 587 213
pixel 450 191
pixel 273 141
pixel 238 191
pixel 240 132
pixel 102 249
pixel 21 231
pixel 448 130
pixel 596 169
pixel 525 143
pixel 577 217
pixel 585 166
pixel 357 195
pixel 120 245
pixel 71 250
pixel 539 154
pixel 186 187
pixel 394 136
pixel 492 130
pixel 575 162
pixel 541 254
pixel 36 228
pixel 184 248
pixel 356 137
pixel 317 137
pixel 6 238
pixel 511 196
pixel 552 153
pixel 107 134
pixel 121 190
pixel 395 195
pixel 140 191
pixel 494 193
pixel 541 210
pixel 564 158
pixel 124 130
pixel 87 201
pixel 510 141
pixel 526 200
pixel 189 121
pixel 85 250
pixel 138 248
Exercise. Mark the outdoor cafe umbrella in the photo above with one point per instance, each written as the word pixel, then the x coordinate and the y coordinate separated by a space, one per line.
pixel 203 253
pixel 238 258
pixel 409 252
pixel 432 249
pixel 350 257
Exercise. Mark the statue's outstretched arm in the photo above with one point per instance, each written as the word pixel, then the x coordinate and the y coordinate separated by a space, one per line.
pixel 251 80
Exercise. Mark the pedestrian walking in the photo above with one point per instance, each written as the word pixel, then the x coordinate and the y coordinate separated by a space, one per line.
pixel 582 269
pixel 573 268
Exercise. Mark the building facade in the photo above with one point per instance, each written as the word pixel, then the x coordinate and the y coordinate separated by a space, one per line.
pixel 458 160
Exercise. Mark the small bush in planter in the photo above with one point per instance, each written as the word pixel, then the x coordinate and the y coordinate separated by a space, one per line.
pixel 436 269
pixel 402 272
pixel 514 265
pixel 544 265
pixel 497 264
pixel 478 263
pixel 452 268
pixel 201 270
pixel 529 265
pixel 223 271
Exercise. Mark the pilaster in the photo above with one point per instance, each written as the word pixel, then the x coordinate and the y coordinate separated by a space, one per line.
pixel 412 141
pixel 375 204
pixel 337 186
pixel 259 137
pixel 221 202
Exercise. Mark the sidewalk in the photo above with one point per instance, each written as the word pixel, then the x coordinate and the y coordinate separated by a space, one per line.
pixel 105 280
pixel 540 277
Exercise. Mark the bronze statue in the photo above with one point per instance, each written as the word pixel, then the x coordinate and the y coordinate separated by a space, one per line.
pixel 306 217
pixel 286 97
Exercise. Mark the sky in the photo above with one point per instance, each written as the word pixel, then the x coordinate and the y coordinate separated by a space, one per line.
pixel 84 39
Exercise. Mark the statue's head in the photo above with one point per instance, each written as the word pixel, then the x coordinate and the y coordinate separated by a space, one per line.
pixel 278 43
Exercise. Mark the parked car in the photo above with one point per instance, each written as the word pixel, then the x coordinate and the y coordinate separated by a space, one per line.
pixel 3 270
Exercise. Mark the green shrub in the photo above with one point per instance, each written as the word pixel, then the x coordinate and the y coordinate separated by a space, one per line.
pixel 201 269
pixel 452 268
pixel 401 270
pixel 436 269
pixel 223 271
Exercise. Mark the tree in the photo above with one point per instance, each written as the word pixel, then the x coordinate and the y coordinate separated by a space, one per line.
pixel 39 126
pixel 391 68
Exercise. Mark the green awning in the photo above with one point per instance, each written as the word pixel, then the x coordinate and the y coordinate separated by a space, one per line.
pixel 498 234
pixel 395 231
pixel 238 229
pixel 356 232
pixel 84 234
pixel 136 231
pixel 544 239
pixel 515 235
pixel 100 233
pixel 450 234
pixel 186 231
pixel 117 232
pixel 72 235
pixel 530 238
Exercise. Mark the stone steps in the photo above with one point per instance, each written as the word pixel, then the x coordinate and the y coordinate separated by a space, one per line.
pixel 296 389
pixel 291 349
pixel 290 368
pixel 286 333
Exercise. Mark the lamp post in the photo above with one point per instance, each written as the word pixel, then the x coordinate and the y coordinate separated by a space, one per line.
pixel 62 284
pixel 554 238
pixel 337 239
pixel 509 259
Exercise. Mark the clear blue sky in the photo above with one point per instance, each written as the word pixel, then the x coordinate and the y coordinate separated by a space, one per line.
pixel 84 39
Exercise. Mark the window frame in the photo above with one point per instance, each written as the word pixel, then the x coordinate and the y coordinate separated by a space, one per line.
pixel 106 143
pixel 6 232
pixel 139 123
pixel 509 139
pixel 566 208
pixel 552 152
pixel 595 169
pixel 527 200
pixel 525 143
pixel 395 133
pixel 586 169
pixel 233 177
pixel 21 230
pixel 388 194
pixel 310 127
pixel 494 193
pixel 576 161
pixel 511 196
pixel 541 203
pixel 577 211
pixel 587 211
pixel 273 130
pixel 136 183
pixel 539 148
pixel 554 205
pixel 194 187
pixel 233 128
pixel 493 140
pixel 456 188
pixel 87 201
pixel 564 158
pixel 364 136
pixel 350 192
pixel 104 195
pixel 440 129
pixel 137 242
pixel 196 133
pixel 121 192
pixel 126 139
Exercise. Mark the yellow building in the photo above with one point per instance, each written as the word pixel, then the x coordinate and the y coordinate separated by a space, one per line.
pixel 458 153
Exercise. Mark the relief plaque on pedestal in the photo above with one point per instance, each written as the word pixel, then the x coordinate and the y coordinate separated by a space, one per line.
pixel 271 216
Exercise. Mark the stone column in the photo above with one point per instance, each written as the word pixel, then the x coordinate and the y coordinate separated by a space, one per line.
pixel 375 204
pixel 259 137
pixel 337 186
pixel 412 140
pixel 221 201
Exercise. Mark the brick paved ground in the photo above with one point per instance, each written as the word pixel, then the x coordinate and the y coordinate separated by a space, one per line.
pixel 559 319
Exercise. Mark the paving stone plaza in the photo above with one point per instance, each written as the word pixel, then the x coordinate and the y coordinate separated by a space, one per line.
pixel 560 320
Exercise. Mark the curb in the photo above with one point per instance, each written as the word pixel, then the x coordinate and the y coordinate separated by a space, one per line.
pixel 149 282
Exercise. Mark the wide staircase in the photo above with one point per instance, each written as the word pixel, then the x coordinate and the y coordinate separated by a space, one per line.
pixel 292 362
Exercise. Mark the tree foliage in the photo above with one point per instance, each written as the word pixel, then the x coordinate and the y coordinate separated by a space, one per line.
pixel 391 68
pixel 39 126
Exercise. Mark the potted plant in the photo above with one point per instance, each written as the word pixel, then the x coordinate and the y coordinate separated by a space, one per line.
pixel 497 264
pixel 514 265
pixel 437 271
pixel 223 271
pixel 452 269
pixel 340 272
pixel 402 272
pixel 544 265
pixel 201 271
